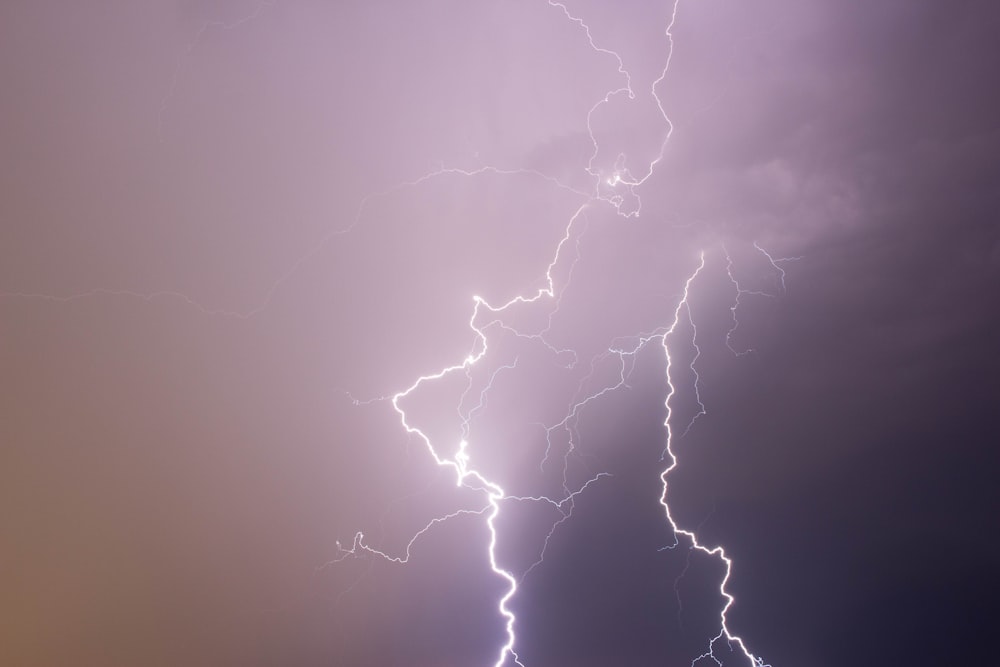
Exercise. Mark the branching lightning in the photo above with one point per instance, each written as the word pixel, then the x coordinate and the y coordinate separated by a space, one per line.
pixel 616 185
pixel 605 190
pixel 742 292
pixel 718 551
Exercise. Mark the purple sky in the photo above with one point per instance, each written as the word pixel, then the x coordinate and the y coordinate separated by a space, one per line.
pixel 230 231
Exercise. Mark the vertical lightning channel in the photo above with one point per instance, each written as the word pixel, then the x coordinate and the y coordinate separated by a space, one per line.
pixel 718 552
pixel 469 477
pixel 607 190
pixel 609 183
pixel 460 463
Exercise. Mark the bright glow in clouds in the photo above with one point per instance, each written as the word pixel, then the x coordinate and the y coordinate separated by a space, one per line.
pixel 462 461
pixel 521 333
pixel 623 157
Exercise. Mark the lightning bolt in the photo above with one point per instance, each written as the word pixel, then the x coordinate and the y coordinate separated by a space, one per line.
pixel 616 183
pixel 606 190
pixel 718 551
pixel 459 463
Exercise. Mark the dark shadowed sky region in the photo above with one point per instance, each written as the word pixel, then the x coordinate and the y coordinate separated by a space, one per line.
pixel 358 334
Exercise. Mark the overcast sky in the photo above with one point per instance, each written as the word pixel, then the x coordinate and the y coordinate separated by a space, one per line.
pixel 230 232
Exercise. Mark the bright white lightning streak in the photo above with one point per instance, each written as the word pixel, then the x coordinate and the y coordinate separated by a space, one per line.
pixel 682 309
pixel 718 551
pixel 466 475
pixel 463 474
pixel 459 463
pixel 621 175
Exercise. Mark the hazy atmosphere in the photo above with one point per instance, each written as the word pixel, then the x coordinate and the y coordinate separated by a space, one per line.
pixel 752 244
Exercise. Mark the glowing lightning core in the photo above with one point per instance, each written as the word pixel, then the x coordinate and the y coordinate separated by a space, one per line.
pixel 460 463
pixel 724 632
pixel 611 183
